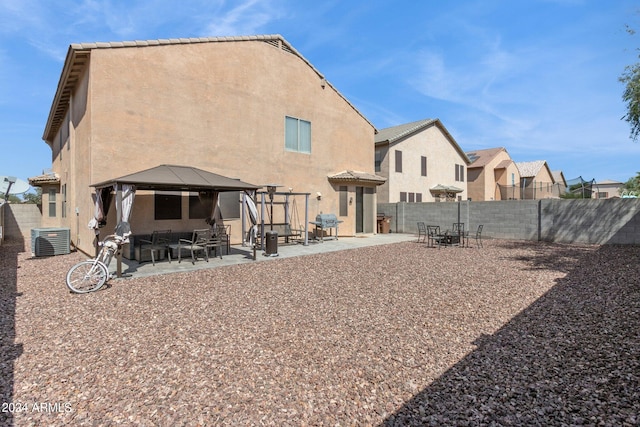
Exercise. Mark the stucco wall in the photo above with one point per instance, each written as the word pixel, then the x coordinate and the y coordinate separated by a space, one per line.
pixel 216 106
pixel 607 221
pixel 441 160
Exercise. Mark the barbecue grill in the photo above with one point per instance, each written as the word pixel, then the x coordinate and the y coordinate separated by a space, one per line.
pixel 326 222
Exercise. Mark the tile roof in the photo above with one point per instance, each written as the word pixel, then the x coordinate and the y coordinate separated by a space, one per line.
pixel 394 133
pixel 528 169
pixel 349 175
pixel 48 178
pixel 480 158
pixel 504 164
pixel 558 176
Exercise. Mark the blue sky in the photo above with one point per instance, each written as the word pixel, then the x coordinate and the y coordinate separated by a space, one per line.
pixel 538 77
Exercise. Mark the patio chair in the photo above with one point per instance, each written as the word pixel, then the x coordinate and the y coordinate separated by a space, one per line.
pixel 433 235
pixel 223 232
pixel 198 243
pixel 422 232
pixel 216 240
pixel 479 236
pixel 457 230
pixel 160 240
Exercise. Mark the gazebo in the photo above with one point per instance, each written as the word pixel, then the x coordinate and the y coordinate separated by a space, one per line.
pixel 163 178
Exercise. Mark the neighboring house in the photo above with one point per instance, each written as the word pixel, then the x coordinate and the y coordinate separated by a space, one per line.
pixel 422 163
pixel 251 108
pixel 536 180
pixel 607 189
pixel 560 183
pixel 492 175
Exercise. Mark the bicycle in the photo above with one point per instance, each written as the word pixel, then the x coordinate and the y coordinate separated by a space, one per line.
pixel 91 275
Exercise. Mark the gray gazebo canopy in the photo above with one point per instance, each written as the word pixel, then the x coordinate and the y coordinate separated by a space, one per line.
pixel 170 178
pixel 178 178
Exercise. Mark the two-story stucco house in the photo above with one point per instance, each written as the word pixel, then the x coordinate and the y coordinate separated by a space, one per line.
pixel 536 180
pixel 492 175
pixel 251 108
pixel 422 163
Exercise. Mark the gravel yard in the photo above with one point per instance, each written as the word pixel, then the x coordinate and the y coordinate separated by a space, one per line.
pixel 516 333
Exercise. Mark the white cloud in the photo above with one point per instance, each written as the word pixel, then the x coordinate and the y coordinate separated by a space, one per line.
pixel 245 19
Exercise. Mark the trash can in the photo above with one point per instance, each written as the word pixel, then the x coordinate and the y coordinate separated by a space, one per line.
pixel 272 242
pixel 384 224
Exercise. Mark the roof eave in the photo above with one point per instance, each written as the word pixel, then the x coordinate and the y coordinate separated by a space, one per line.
pixel 74 64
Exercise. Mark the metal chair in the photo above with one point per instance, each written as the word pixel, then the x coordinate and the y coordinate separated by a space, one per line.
pixel 198 243
pixel 422 232
pixel 458 231
pixel 433 235
pixel 223 232
pixel 479 236
pixel 160 240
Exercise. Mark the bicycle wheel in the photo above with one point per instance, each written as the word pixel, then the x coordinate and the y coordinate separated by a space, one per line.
pixel 87 276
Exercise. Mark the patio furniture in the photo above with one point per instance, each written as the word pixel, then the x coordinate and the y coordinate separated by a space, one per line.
pixel 159 242
pixel 223 232
pixel 433 235
pixel 459 232
pixel 198 243
pixel 479 236
pixel 422 232
pixel 216 241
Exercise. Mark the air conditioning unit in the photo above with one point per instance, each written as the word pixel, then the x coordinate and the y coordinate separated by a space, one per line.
pixel 50 241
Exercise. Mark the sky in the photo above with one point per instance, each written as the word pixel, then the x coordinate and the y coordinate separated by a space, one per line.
pixel 537 77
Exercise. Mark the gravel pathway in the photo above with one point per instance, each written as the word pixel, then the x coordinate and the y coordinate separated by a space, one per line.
pixel 516 333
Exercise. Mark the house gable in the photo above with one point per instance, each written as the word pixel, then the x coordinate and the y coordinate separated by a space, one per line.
pixel 417 157
pixel 78 57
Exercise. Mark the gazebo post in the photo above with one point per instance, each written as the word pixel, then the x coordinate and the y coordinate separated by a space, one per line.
pixel 118 221
pixel 306 219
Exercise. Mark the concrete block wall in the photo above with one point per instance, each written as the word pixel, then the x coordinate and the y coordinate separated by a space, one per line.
pixel 605 221
pixel 19 219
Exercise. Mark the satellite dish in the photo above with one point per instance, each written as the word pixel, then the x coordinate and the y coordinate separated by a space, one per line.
pixel 12 185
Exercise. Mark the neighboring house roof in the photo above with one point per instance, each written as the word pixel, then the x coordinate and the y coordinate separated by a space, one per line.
pixel 609 182
pixel 480 158
pixel 394 134
pixel 79 53
pixel 558 176
pixel 174 178
pixel 504 164
pixel 355 176
pixel 530 169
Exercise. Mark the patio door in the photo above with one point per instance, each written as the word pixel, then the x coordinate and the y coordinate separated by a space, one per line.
pixel 364 209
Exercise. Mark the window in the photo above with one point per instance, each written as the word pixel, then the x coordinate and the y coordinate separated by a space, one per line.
pixel 167 205
pixel 64 201
pixel 378 159
pixel 52 203
pixel 423 166
pixel 418 197
pixel 344 202
pixel 297 135
pixel 412 197
pixel 403 196
pixel 398 161
pixel 460 173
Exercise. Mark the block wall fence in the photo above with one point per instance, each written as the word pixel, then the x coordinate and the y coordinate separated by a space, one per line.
pixel 605 221
pixel 17 220
pixel 595 221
